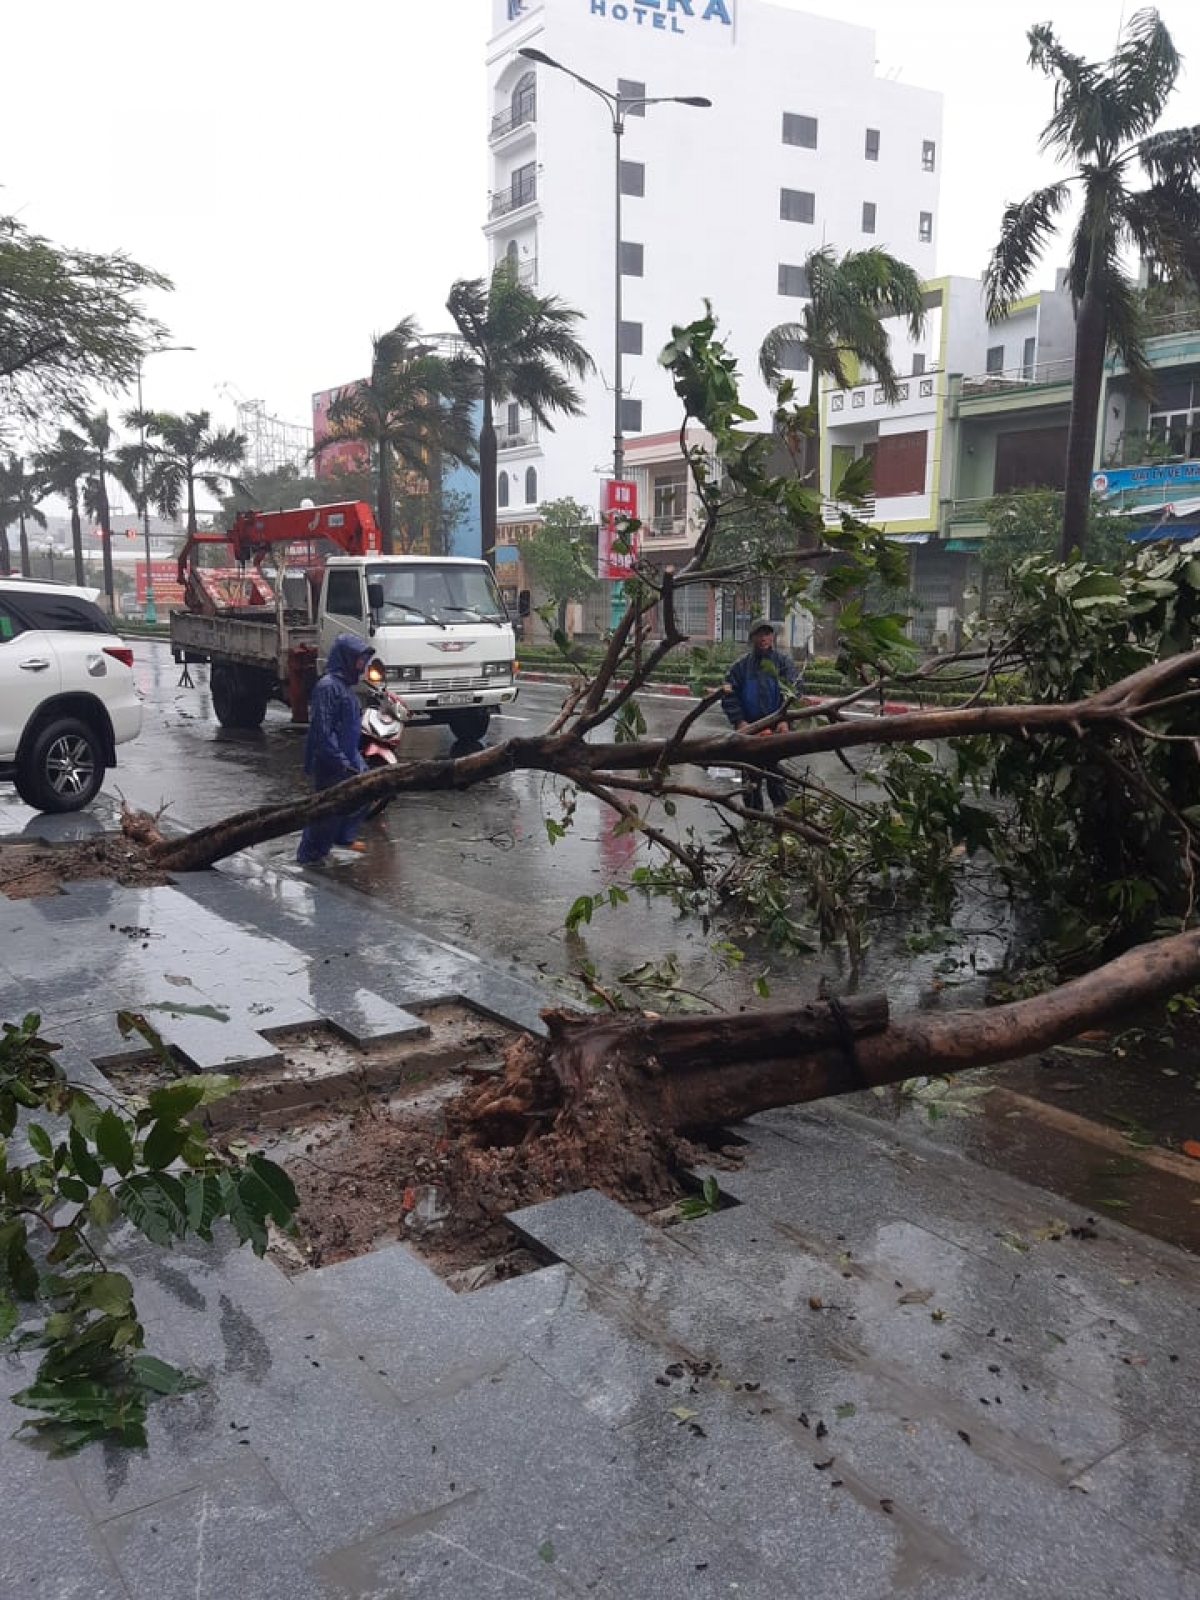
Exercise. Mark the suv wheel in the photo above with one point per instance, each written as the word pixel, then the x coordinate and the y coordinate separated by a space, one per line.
pixel 64 767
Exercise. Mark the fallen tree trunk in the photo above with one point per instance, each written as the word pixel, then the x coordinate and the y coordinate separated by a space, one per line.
pixel 679 1075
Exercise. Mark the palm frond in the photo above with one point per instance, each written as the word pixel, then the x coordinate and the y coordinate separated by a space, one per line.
pixel 1024 233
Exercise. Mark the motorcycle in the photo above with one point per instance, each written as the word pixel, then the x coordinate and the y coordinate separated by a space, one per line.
pixel 383 720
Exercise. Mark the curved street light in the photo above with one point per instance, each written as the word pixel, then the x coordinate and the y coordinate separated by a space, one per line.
pixel 619 107
pixel 150 614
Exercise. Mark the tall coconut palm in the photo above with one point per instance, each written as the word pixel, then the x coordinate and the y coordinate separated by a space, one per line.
pixel 1102 125
pixel 841 327
pixel 94 438
pixel 177 453
pixel 524 347
pixel 20 492
pixel 64 466
pixel 412 412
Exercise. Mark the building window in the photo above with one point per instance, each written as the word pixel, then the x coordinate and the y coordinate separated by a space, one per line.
pixel 631 338
pixel 900 464
pixel 531 486
pixel 792 356
pixel 524 184
pixel 928 155
pixel 1175 417
pixel 670 499
pixel 872 147
pixel 918 364
pixel 868 217
pixel 632 259
pixel 633 177
pixel 1033 459
pixel 514 418
pixel 797 205
pixel 995 358
pixel 631 89
pixel 631 416
pixel 800 130
pixel 792 280
pixel 1029 360
pixel 523 104
pixel 502 490
pixel 925 228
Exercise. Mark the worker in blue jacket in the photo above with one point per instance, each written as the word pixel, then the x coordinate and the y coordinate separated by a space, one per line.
pixel 331 752
pixel 760 684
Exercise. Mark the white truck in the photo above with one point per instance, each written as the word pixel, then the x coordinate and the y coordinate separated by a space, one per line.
pixel 437 623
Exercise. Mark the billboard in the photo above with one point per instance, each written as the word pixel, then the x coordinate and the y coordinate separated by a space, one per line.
pixel 345 455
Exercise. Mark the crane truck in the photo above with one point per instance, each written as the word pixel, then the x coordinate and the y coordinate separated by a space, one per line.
pixel 298 578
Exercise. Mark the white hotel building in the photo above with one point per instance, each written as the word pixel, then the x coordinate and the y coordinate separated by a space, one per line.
pixel 803 145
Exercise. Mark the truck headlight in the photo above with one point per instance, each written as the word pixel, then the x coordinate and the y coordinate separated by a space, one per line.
pixel 497 669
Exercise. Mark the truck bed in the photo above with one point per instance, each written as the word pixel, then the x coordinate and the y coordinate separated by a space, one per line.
pixel 239 639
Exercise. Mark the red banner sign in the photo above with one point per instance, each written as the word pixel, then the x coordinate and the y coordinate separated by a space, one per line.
pixel 618 507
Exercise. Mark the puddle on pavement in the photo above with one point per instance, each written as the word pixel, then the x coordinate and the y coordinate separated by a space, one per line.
pixel 1103 1132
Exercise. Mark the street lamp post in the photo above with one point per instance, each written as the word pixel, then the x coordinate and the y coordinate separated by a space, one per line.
pixel 151 613
pixel 619 107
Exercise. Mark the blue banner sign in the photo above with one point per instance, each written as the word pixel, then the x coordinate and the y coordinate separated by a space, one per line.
pixel 1167 475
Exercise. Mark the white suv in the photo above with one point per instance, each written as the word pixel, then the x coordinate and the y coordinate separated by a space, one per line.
pixel 67 695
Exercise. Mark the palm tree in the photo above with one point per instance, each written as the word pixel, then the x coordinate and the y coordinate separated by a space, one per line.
pixel 1104 114
pixel 64 466
pixel 414 410
pixel 523 345
pixel 19 496
pixel 97 445
pixel 841 327
pixel 178 452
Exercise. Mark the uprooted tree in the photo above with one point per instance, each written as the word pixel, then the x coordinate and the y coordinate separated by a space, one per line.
pixel 1067 763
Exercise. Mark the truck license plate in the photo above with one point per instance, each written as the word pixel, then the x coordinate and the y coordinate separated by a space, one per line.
pixel 455 699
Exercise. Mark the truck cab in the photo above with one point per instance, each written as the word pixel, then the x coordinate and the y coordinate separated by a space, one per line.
pixel 438 625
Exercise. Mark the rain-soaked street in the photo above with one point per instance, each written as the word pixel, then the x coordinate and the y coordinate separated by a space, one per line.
pixel 479 870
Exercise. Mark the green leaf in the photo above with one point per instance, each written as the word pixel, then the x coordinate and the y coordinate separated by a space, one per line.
pixel 161 1377
pixel 102 1207
pixel 109 1291
pixel 202 1199
pixel 155 1203
pixel 8 1316
pixel 114 1142
pixel 280 1197
pixel 40 1141
pixel 846 1409
pixel 86 1165
pixel 163 1143
pixel 546 1552
pixel 581 911
pixel 199 1089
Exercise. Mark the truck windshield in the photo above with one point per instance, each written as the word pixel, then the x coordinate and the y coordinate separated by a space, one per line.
pixel 442 593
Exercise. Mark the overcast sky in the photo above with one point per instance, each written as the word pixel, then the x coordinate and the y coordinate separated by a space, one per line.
pixel 308 173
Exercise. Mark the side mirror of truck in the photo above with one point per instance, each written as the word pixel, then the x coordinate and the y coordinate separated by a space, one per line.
pixel 523 603
pixel 374 603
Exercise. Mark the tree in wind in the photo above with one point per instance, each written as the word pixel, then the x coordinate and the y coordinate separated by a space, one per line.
pixel 179 453
pixel 840 328
pixel 1103 126
pixel 413 412
pixel 525 350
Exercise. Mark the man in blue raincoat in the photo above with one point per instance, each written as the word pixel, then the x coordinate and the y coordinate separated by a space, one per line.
pixel 757 685
pixel 331 752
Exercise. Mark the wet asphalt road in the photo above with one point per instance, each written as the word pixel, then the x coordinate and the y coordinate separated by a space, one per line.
pixel 477 868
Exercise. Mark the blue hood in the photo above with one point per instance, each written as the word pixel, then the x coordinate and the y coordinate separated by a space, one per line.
pixel 344 657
